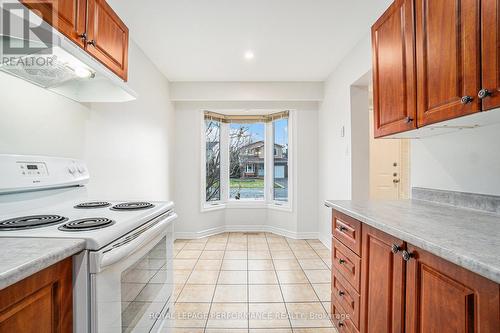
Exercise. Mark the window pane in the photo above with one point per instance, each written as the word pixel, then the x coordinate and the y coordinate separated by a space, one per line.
pixel 280 130
pixel 246 161
pixel 212 138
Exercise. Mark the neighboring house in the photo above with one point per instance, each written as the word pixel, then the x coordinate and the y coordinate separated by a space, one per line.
pixel 252 160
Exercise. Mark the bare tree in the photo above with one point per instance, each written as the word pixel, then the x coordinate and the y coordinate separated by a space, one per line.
pixel 212 136
pixel 238 138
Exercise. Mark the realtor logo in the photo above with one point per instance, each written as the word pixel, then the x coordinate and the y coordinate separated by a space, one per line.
pixel 20 35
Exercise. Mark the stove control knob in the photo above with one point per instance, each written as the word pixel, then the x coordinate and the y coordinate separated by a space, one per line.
pixel 72 169
pixel 81 169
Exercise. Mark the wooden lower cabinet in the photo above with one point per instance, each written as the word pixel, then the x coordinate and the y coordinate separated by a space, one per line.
pixel 382 285
pixel 407 290
pixel 40 303
pixel 442 297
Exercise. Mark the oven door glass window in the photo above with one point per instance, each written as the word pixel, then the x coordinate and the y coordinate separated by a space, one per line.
pixel 145 290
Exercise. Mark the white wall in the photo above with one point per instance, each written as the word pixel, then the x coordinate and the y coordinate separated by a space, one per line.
pixel 465 161
pixel 35 121
pixel 247 91
pixel 334 162
pixel 127 145
pixel 360 141
pixel 301 222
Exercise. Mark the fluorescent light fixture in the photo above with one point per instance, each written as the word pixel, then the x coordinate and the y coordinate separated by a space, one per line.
pixel 83 73
pixel 249 55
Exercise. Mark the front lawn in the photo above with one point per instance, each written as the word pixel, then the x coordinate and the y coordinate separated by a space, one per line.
pixel 250 183
pixel 246 183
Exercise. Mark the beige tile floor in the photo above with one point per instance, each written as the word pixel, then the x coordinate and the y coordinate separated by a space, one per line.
pixel 251 282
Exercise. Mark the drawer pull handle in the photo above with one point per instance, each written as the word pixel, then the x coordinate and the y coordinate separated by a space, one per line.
pixel 342 261
pixel 407 255
pixel 395 248
pixel 341 293
pixel 341 324
pixel 342 228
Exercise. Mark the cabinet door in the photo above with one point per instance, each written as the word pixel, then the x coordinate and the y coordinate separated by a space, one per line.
pixel 490 29
pixel 448 59
pixel 383 278
pixel 394 87
pixel 107 37
pixel 67 16
pixel 42 302
pixel 442 297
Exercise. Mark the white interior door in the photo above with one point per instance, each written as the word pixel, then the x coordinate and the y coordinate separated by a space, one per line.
pixel 389 167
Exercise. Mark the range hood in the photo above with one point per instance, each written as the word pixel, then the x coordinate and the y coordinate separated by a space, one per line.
pixel 33 50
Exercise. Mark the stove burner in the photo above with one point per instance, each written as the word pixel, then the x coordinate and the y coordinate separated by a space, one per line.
pixel 31 222
pixel 93 204
pixel 132 206
pixel 87 224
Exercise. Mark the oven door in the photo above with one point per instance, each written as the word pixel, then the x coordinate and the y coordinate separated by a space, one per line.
pixel 131 280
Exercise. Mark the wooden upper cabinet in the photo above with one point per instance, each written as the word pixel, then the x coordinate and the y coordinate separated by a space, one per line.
pixel 448 59
pixel 107 37
pixel 442 297
pixel 67 16
pixel 394 73
pixel 383 283
pixel 490 30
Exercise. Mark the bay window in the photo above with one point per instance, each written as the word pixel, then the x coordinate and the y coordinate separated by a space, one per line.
pixel 246 159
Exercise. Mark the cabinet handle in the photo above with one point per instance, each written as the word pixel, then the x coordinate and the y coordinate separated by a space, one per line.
pixel 83 36
pixel 408 120
pixel 342 228
pixel 91 42
pixel 342 261
pixel 341 293
pixel 483 93
pixel 395 181
pixel 407 255
pixel 341 324
pixel 466 100
pixel 395 248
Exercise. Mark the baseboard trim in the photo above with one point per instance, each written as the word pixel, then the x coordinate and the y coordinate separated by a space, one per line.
pixel 246 228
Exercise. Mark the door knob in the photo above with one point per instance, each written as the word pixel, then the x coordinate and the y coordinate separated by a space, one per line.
pixel 483 93
pixel 466 99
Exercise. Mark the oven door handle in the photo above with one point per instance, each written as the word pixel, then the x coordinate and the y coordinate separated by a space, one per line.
pixel 133 242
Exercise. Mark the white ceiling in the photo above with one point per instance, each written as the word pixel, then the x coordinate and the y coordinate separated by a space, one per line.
pixel 205 40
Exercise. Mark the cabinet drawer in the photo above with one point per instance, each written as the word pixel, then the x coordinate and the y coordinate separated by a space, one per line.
pixel 347 297
pixel 346 263
pixel 347 230
pixel 342 319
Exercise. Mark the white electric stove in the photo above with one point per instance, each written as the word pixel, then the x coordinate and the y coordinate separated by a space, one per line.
pixel 123 281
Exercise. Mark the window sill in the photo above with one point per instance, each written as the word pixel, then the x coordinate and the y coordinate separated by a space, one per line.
pixel 212 207
pixel 281 207
pixel 233 204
